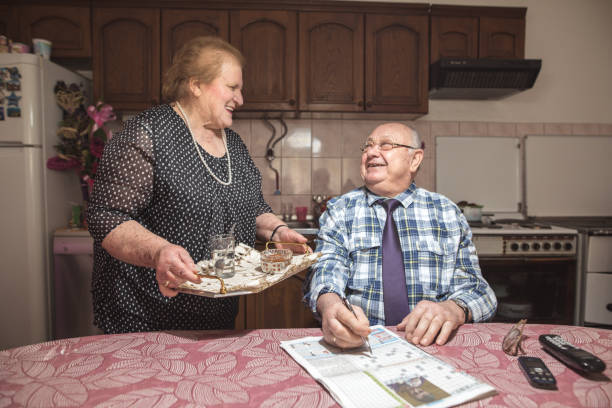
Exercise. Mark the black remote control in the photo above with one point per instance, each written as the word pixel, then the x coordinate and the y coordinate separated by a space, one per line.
pixel 537 373
pixel 571 355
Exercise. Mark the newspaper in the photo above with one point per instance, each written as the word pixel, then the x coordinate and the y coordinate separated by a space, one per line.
pixel 396 374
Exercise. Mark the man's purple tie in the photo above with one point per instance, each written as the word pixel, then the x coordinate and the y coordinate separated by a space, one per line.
pixel 395 296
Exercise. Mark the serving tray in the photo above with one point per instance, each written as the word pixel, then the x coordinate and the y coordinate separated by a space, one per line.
pixel 249 277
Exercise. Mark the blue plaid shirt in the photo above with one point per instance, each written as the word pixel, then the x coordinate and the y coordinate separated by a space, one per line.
pixel 440 259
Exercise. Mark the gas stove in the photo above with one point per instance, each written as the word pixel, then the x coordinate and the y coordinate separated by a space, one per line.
pixel 523 238
pixel 589 225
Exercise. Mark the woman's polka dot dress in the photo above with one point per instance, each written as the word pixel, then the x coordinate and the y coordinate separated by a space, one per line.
pixel 151 173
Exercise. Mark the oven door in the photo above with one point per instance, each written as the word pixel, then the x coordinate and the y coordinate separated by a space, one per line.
pixel 539 289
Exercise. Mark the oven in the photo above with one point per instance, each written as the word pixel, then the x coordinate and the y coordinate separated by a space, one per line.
pixel 532 269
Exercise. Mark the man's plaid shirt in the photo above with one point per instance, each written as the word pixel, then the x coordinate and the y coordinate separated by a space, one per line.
pixel 440 259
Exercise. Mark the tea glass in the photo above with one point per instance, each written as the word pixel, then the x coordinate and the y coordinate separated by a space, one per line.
pixel 222 249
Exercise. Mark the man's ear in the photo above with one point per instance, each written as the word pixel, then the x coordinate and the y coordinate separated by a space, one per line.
pixel 417 159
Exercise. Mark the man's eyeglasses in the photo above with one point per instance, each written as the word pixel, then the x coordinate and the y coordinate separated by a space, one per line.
pixel 512 341
pixel 384 146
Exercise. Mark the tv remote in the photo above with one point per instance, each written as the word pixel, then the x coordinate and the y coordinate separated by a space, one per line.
pixel 570 355
pixel 537 373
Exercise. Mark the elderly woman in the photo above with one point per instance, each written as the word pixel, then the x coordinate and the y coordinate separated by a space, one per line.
pixel 173 177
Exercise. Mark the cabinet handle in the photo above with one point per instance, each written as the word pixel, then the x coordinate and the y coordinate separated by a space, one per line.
pixel 609 307
pixel 368 104
pixel 360 104
pixel 292 102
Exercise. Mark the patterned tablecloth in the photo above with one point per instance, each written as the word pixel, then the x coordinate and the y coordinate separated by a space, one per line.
pixel 248 368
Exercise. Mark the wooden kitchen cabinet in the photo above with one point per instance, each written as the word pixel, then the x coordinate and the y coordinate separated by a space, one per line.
pixel 397 64
pixel 8 26
pixel 355 62
pixel 477 32
pixel 180 25
pixel 67 27
pixel 268 41
pixel 126 63
pixel 279 306
pixel 331 61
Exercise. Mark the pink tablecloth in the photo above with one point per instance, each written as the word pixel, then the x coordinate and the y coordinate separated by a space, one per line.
pixel 248 368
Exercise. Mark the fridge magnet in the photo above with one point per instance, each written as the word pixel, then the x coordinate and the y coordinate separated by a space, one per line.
pixel 13 110
pixel 14 83
pixel 4 77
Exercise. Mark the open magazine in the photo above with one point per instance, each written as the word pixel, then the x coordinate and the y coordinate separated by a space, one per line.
pixel 396 374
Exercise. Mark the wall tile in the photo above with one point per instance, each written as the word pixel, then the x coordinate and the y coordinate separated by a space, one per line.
pixel 351 177
pixel 585 129
pixel 326 176
pixel 444 129
pixel 326 138
pixel 557 129
pixel 605 129
pixel 501 129
pixel 268 184
pixel 473 129
pixel 243 128
pixel 297 142
pixel 296 173
pixel 260 135
pixel 302 200
pixel 426 176
pixel 274 201
pixel 524 129
pixel 423 128
pixel 354 133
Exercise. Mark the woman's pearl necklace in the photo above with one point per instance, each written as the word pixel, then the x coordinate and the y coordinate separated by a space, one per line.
pixel 195 143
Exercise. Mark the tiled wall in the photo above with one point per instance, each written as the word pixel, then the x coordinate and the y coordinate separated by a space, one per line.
pixel 321 156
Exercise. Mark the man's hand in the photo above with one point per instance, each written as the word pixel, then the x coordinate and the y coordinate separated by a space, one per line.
pixel 340 327
pixel 430 321
pixel 173 266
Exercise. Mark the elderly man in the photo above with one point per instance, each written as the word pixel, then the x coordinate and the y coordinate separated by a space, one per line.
pixel 401 254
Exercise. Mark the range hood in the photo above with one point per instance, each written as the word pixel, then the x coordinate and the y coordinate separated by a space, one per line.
pixel 471 78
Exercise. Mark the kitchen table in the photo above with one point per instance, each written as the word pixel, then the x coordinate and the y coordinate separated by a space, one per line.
pixel 249 369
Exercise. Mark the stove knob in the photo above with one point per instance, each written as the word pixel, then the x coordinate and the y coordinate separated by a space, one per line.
pixel 546 246
pixel 536 246
pixel 568 246
pixel 525 247
pixel 514 246
pixel 557 246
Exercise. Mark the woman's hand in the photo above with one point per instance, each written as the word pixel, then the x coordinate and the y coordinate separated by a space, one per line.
pixel 173 266
pixel 287 235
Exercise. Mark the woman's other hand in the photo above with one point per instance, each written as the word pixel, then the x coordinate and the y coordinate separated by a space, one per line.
pixel 173 266
pixel 287 235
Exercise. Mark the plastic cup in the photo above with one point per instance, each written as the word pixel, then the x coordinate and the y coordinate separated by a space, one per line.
pixel 301 212
pixel 222 248
pixel 42 47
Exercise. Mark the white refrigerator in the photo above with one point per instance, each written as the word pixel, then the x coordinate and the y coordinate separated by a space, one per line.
pixel 34 201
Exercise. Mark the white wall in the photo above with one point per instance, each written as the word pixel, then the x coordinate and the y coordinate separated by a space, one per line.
pixel 574 40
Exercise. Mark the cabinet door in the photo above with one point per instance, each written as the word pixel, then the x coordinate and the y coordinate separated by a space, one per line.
pixel 453 37
pixel 280 306
pixel 331 62
pixel 268 40
pixel 126 61
pixel 397 62
pixel 68 28
pixel 8 26
pixel 502 37
pixel 181 25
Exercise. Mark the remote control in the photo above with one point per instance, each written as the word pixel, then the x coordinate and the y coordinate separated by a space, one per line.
pixel 570 355
pixel 537 373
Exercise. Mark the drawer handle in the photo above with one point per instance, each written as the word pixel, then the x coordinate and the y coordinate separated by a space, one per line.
pixel 609 307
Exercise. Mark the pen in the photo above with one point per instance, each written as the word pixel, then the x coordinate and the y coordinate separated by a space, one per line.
pixel 350 307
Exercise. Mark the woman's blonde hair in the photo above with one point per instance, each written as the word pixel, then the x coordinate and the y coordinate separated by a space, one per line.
pixel 200 58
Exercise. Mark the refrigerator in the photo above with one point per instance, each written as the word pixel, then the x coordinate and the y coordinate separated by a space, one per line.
pixel 34 201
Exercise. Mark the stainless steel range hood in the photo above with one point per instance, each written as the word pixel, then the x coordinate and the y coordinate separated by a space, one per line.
pixel 470 78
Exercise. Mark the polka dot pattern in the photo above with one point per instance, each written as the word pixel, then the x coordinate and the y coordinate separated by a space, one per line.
pixel 151 173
